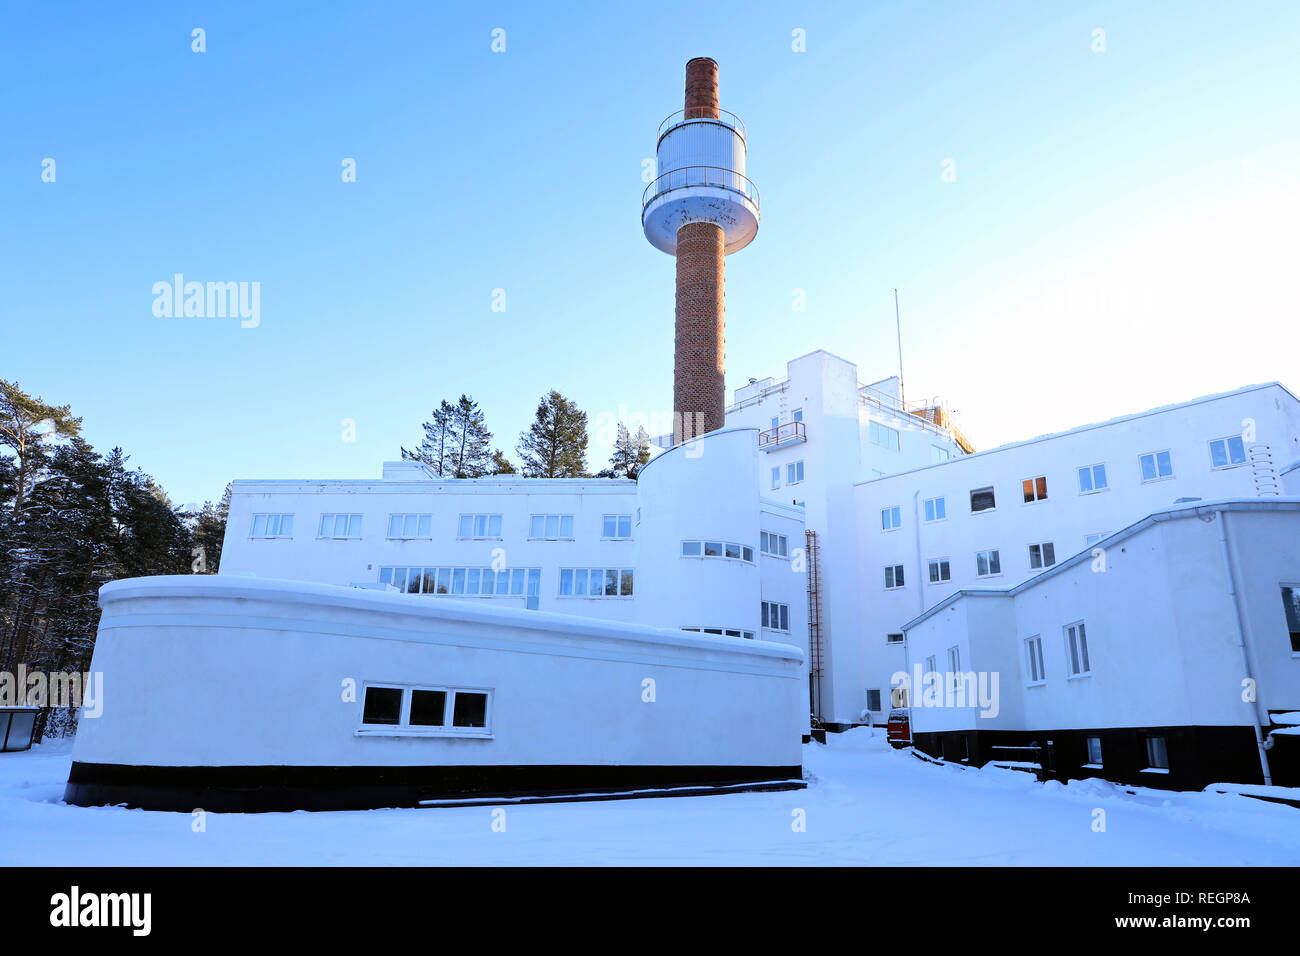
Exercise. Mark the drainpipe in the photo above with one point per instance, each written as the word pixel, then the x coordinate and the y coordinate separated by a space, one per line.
pixel 1222 517
pixel 916 530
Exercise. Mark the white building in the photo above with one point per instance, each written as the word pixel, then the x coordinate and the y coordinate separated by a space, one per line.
pixel 1162 657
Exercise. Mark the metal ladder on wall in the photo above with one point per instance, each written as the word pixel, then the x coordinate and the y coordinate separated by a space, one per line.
pixel 1263 471
pixel 815 649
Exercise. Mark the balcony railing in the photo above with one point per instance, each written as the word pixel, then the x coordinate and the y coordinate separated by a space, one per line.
pixel 931 417
pixel 689 176
pixel 782 435
pixel 701 113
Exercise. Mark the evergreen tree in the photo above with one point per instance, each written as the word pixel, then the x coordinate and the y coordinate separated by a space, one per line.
pixel 210 530
pixel 26 424
pixel 501 464
pixel 435 449
pixel 471 453
pixel 555 446
pixel 631 452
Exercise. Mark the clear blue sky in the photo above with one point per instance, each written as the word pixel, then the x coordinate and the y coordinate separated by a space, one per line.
pixel 1121 231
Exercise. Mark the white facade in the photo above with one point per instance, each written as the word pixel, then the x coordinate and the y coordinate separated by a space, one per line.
pixel 959 544
pixel 1179 620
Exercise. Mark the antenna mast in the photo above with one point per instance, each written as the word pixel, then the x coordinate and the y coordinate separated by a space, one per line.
pixel 898 325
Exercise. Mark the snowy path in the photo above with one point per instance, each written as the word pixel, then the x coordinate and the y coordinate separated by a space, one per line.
pixel 865 805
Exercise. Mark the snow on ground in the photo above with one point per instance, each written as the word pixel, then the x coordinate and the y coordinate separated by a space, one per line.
pixel 865 805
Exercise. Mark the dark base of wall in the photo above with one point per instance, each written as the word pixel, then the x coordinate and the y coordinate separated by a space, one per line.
pixel 264 789
pixel 1198 756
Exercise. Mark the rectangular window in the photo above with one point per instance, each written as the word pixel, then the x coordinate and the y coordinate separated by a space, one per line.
pixel 940 570
pixel 794 472
pixel 936 509
pixel 987 563
pixel 890 518
pixel 1156 465
pixel 776 545
pixel 1092 478
pixel 1042 555
pixel 550 527
pixel 931 665
pixel 410 526
pixel 1076 650
pixel 1291 604
pixel 884 436
pixel 1157 753
pixel 893 638
pixel 1094 751
pixel 272 526
pixel 596 582
pixel 428 708
pixel 383 706
pixel 982 499
pixel 469 709
pixel 616 526
pixel 718 549
pixel 873 700
pixel 1090 539
pixel 339 526
pixel 1034 659
pixel 954 662
pixel 479 526
pixel 1034 489
pixel 691 549
pixel 1226 452
pixel 469 582
pixel 893 576
pixel 776 422
pixel 776 477
pixel 797 415
pixel 427 711
pixel 939 454
pixel 776 617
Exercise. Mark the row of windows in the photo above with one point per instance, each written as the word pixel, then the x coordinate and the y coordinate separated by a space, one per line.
pixel 430 710
pixel 596 582
pixel 987 564
pixel 480 582
pixel 718 549
pixel 796 416
pixel 776 545
pixel 1077 663
pixel 776 617
pixel 547 527
pixel 725 631
pixel 1153 466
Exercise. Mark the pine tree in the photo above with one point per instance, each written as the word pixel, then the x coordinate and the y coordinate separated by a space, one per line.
pixel 22 421
pixel 435 448
pixel 555 446
pixel 631 452
pixel 501 464
pixel 210 530
pixel 471 455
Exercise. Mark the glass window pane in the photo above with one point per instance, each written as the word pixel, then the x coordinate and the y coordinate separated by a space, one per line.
pixel 466 529
pixel 494 526
pixel 625 583
pixel 765 614
pixel 691 548
pixel 340 526
pixel 425 529
pixel 428 708
pixel 503 582
pixel 1099 476
pixel 625 526
pixel 611 583
pixel 609 526
pixel 1164 463
pixel 286 525
pixel 457 580
pixel 995 565
pixel 713 549
pixel 410 524
pixel 469 709
pixel 534 582
pixel 733 550
pixel 259 525
pixel 480 526
pixel 444 580
pixel 472 580
pixel 430 582
pixel 517 581
pixel 413 581
pixel 1049 554
pixel 1236 450
pixel 383 706
pixel 579 581
pixel 566 581
pixel 537 526
pixel 940 507
pixel 354 526
pixel 1148 467
pixel 747 554
pixel 785 617
pixel 552 526
pixel 566 526
pixel 981 564
pixel 385 575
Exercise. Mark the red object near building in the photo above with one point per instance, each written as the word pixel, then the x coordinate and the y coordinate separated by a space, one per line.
pixel 898 728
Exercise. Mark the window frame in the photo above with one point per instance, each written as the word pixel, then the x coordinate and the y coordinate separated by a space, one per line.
pixel 989 552
pixel 404 727
pixel 1042 547
pixel 417 515
pixel 939 563
pixel 617 520
pixel 1035 482
pixel 1294 588
pixel 1085 658
pixel 279 524
pixel 1155 460
pixel 891 518
pixel 560 535
pixel 1037 663
pixel 939 502
pixel 320 521
pixel 991 489
pixel 1092 477
pixel 1227 448
pixel 896 573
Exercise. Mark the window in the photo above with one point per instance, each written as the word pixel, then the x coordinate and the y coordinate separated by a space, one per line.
pixel 480 526
pixel 893 638
pixel 873 700
pixel 272 526
pixel 1226 452
pixel 797 415
pixel 939 454
pixel 794 472
pixel 981 499
pixel 1291 603
pixel 1092 478
pixel 776 617
pixel 932 665
pixel 776 422
pixel 893 576
pixel 426 711
pixel 1042 555
pixel 339 526
pixel 596 582
pixel 776 545
pixel 884 436
pixel 718 549
pixel 1090 539
pixel 616 526
pixel 954 661
pixel 1094 751
pixel 776 477
pixel 936 509
pixel 464 582
pixel 940 570
pixel 410 526
pixel 1034 659
pixel 987 563
pixel 1034 489
pixel 383 706
pixel 1157 753
pixel 724 631
pixel 1076 650
pixel 1156 465
pixel 890 518
pixel 550 527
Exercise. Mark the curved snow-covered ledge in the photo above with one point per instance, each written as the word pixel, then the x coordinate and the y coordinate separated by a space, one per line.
pixel 231 693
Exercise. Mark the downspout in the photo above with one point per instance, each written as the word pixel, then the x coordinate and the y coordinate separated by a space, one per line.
pixel 920 594
pixel 1222 517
